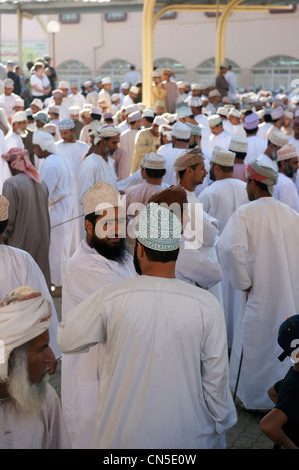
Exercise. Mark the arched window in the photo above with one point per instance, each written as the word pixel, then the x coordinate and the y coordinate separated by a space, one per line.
pixel 275 72
pixel 178 68
pixel 73 69
pixel 116 69
pixel 205 71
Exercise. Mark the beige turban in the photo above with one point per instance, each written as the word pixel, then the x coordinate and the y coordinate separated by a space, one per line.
pixel 105 132
pixel 44 140
pixel 188 158
pixel 24 315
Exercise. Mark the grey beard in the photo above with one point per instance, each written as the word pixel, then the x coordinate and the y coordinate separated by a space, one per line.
pixel 28 397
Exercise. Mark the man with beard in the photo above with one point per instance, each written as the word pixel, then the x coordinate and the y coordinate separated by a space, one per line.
pixel 285 190
pixel 97 262
pixel 165 377
pixel 30 411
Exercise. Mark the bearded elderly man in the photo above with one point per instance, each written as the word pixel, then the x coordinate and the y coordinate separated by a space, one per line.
pixel 30 412
pixel 56 174
pixel 18 268
pixel 97 262
pixel 74 151
pixel 148 397
pixel 256 251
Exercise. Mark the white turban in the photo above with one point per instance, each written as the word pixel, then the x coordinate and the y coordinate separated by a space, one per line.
pixel 105 132
pixel 24 315
pixel 44 140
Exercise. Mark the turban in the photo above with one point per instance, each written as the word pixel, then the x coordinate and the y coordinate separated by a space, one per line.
pixel 93 126
pixel 105 132
pixel 158 228
pixel 188 158
pixel 44 140
pixel 24 315
pixel 19 160
pixel 262 173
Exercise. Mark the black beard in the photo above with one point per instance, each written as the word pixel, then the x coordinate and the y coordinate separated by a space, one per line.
pixel 136 262
pixel 212 175
pixel 116 252
pixel 289 171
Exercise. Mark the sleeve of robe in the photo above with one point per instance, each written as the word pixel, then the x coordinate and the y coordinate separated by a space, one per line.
pixel 232 249
pixel 84 326
pixel 9 192
pixel 215 371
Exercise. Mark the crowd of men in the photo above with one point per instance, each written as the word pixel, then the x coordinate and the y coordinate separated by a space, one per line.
pixel 170 229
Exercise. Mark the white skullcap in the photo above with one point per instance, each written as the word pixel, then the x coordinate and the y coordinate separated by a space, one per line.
pixel 158 228
pixel 286 152
pixel 160 121
pixel 278 138
pixel 4 203
pixel 238 144
pixel 136 116
pixel 156 73
pixel 234 112
pixel 19 101
pixel 125 86
pixel 195 86
pixel 38 103
pixel 181 131
pixel 105 132
pixel 24 315
pixel 50 127
pixel 214 120
pixel 141 106
pixel 74 110
pixel 63 85
pixel 131 109
pixel 277 113
pixel 100 195
pixel 180 84
pixel 222 111
pixel 53 109
pixel 260 113
pixel 183 111
pixel 19 116
pixel 106 80
pixel 148 113
pixel 44 140
pixel 8 83
pixel 153 161
pixel 88 83
pixel 214 93
pixel 66 124
pixel 222 157
pixel 134 89
pixel 289 114
pixel 195 102
pixel 114 97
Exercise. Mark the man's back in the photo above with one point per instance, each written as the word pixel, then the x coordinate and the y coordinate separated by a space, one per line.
pixel 166 360
pixel 29 227
pixel 222 198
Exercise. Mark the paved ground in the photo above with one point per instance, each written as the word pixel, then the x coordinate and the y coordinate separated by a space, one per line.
pixel 244 435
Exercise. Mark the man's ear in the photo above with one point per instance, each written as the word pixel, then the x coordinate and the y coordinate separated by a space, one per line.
pixel 88 226
pixel 140 250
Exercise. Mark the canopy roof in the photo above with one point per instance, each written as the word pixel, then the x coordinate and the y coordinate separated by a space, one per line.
pixel 44 7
